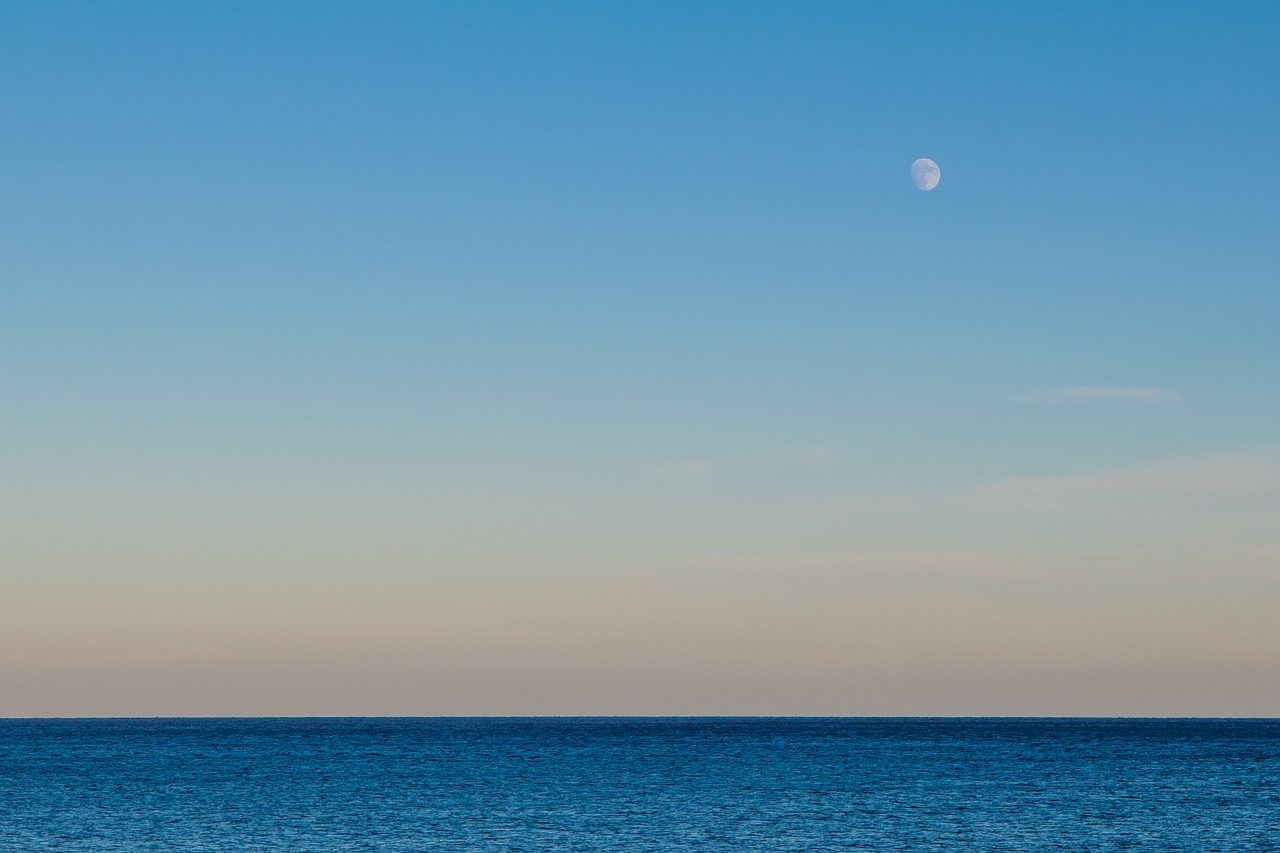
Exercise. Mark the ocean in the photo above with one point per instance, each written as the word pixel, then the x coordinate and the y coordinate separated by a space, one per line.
pixel 639 784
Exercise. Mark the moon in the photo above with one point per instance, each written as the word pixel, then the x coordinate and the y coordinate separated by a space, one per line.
pixel 925 173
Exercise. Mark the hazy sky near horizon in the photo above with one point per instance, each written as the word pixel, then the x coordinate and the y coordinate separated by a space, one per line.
pixel 516 358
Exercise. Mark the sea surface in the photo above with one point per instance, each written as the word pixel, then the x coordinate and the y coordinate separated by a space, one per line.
pixel 639 784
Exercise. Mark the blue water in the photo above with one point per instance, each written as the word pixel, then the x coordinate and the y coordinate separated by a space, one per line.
pixel 626 784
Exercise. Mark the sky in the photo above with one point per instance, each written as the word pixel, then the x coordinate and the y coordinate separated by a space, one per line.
pixel 602 358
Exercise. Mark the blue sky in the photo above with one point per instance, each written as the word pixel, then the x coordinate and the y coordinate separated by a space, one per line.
pixel 399 296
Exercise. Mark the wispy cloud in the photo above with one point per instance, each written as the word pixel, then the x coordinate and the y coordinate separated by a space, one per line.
pixel 692 470
pixel 817 456
pixel 1102 394
pixel 1227 476
pixel 905 565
